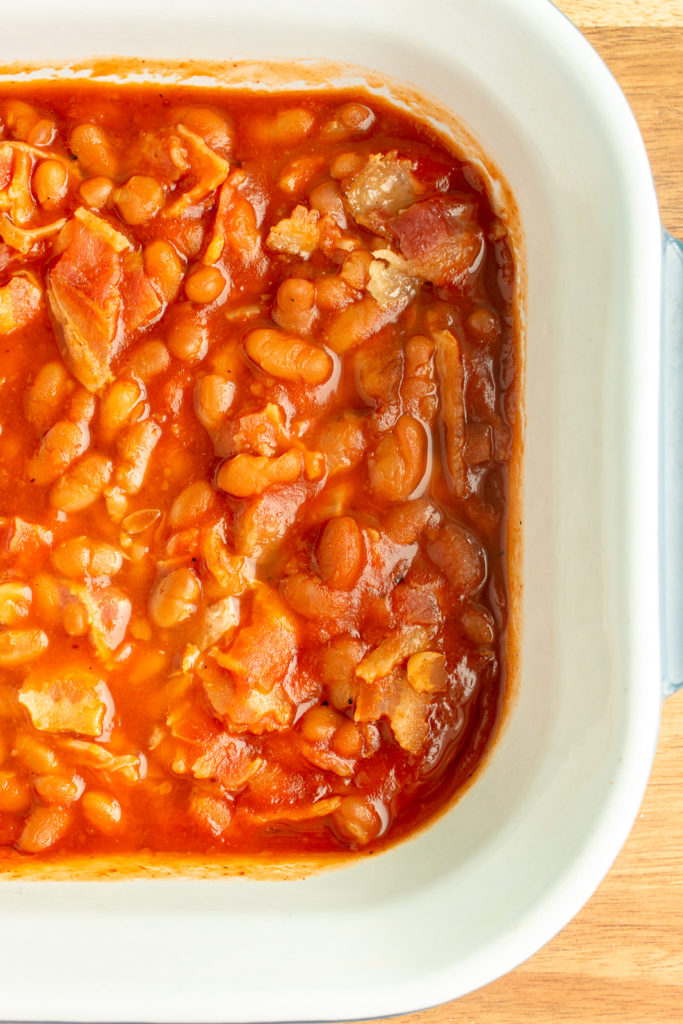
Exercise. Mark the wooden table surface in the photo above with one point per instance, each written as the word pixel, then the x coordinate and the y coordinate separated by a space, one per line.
pixel 621 959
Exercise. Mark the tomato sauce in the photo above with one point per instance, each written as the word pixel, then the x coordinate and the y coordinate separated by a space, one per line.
pixel 260 384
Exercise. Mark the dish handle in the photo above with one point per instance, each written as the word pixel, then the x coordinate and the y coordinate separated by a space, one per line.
pixel 671 468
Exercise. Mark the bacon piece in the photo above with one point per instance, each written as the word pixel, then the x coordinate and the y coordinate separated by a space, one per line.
pixel 67 700
pixel 440 239
pixel 383 187
pixel 84 293
pixel 20 300
pixel 210 171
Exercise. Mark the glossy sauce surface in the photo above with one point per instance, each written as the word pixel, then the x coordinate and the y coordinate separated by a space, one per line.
pixel 260 389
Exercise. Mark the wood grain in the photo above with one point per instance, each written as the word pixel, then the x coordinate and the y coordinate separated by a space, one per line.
pixel 620 961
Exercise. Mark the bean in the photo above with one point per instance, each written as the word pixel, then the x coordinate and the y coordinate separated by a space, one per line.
pixel 139 199
pixel 320 723
pixel 341 553
pixel 15 793
pixel 483 326
pixel 343 165
pixel 44 827
pixel 461 557
pixel 286 128
pixel 50 181
pixel 20 118
pixel 288 357
pixel 43 132
pixel 82 485
pixel 117 406
pixel 19 646
pixel 357 820
pixel 59 789
pixel 332 293
pixel 134 448
pixel 91 145
pixel 398 464
pixel 204 285
pixel 310 597
pixel 44 398
pixel 295 305
pixel 355 270
pixel 79 557
pixel 213 396
pixel 211 813
pixel 165 267
pixel 192 503
pixel 61 446
pixel 211 125
pixel 101 810
pixel 245 476
pixel 347 740
pixel 34 755
pixel 326 198
pixel 479 625
pixel 75 619
pixel 174 598
pixel 188 338
pixel 348 120
pixel 95 192
pixel 356 323
pixel 15 602
pixel 149 359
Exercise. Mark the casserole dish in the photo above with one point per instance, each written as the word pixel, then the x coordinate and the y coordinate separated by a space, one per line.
pixel 515 858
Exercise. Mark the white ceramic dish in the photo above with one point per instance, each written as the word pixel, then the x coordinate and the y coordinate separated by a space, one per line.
pixel 510 864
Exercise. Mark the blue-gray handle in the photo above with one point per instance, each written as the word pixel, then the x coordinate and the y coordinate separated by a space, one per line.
pixel 671 484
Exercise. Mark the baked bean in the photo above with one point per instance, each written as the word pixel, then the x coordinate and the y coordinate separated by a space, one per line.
pixel 139 199
pixel 288 357
pixel 101 810
pixel 149 359
pixel 211 813
pixel 47 599
pixel 320 723
pixel 347 740
pixel 20 118
pixel 204 284
pixel 344 165
pixel 479 625
pixel 460 556
pixel 210 124
pixel 326 198
pixel 44 827
pixel 357 820
pixel 15 793
pixel 355 323
pixel 44 398
pixel 15 602
pixel 79 557
pixel 399 461
pixel 483 326
pixel 174 598
pixel 188 339
pixel 295 305
pixel 43 133
pixel 75 619
pixel 81 485
pixel 310 597
pixel 50 181
pixel 245 476
pixel 332 293
pixel 134 448
pixel 286 128
pixel 118 405
pixel 355 270
pixel 90 144
pixel 19 646
pixel 341 553
pixel 34 755
pixel 61 446
pixel 165 267
pixel 348 120
pixel 192 503
pixel 95 192
pixel 59 789
pixel 213 397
